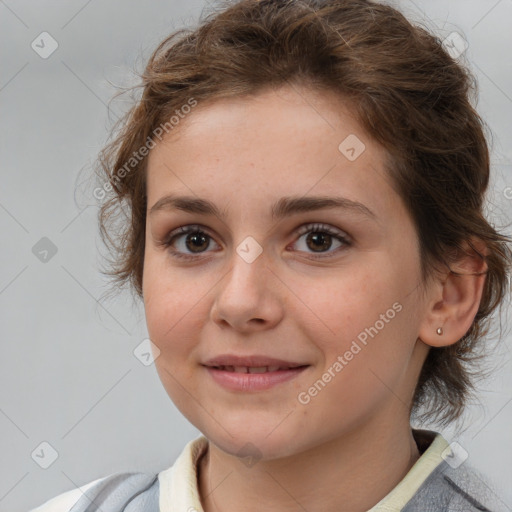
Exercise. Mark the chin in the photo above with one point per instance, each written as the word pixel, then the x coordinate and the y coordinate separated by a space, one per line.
pixel 256 440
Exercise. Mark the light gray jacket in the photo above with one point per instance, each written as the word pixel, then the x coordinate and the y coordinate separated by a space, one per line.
pixel 445 490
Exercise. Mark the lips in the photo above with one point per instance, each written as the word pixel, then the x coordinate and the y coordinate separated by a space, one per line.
pixel 231 362
pixel 250 369
pixel 252 373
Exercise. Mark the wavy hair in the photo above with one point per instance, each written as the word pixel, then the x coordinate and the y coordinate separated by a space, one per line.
pixel 408 94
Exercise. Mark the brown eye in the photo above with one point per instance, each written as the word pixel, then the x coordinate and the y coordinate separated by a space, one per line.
pixel 187 241
pixel 321 241
pixel 197 241
pixel 320 238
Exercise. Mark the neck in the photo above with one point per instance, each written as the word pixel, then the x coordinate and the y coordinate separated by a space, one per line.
pixel 352 472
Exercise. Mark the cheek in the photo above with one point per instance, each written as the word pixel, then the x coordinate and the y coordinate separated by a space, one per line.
pixel 173 307
pixel 351 301
pixel 174 313
pixel 172 319
pixel 369 320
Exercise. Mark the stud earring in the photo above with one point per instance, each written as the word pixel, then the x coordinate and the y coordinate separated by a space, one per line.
pixel 439 331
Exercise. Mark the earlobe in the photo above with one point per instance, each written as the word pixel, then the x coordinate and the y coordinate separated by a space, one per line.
pixel 455 301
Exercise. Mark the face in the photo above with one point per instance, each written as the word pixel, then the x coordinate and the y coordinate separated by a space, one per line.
pixel 329 293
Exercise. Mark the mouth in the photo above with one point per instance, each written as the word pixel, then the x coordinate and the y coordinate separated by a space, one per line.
pixel 232 361
pixel 252 373
pixel 254 369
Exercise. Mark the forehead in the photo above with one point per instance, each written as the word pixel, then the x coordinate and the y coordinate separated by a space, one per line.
pixel 292 112
pixel 289 141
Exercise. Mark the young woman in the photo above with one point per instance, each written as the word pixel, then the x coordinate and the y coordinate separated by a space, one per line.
pixel 305 181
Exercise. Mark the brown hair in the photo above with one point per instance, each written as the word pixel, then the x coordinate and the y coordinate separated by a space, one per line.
pixel 408 93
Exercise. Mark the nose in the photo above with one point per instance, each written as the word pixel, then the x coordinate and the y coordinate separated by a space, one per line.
pixel 247 297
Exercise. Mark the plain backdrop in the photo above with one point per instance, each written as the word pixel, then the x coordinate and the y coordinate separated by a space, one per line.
pixel 69 376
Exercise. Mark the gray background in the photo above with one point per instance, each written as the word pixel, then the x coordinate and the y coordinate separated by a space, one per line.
pixel 68 373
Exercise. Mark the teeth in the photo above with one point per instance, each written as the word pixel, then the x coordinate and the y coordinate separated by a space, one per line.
pixel 251 369
pixel 257 369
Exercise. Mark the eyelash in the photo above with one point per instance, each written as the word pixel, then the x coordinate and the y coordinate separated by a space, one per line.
pixel 307 228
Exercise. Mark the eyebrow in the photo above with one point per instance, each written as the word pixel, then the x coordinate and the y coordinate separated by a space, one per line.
pixel 284 207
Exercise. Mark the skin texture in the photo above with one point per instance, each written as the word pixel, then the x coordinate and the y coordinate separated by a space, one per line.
pixel 351 443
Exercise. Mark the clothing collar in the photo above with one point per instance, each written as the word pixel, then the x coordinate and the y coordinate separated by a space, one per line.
pixel 179 489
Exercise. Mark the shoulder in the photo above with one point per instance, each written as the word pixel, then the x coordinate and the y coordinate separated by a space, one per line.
pixel 113 493
pixel 471 490
pixel 64 502
pixel 136 491
pixel 455 489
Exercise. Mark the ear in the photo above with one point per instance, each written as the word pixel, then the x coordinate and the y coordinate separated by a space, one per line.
pixel 454 297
